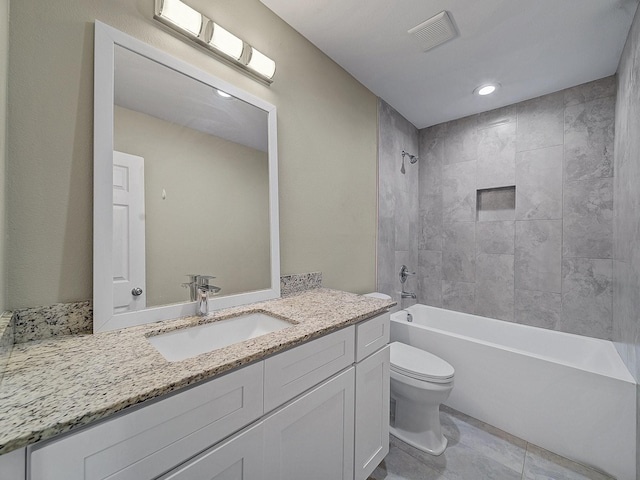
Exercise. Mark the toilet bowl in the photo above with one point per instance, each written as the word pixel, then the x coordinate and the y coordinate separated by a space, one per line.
pixel 420 382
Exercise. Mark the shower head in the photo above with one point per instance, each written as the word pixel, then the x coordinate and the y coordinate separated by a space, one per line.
pixel 412 159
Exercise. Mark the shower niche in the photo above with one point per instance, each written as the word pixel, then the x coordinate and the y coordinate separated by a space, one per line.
pixel 496 204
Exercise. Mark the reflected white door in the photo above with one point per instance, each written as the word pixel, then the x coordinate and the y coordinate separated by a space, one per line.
pixel 129 288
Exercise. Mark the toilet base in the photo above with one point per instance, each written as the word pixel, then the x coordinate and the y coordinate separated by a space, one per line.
pixel 435 448
pixel 416 416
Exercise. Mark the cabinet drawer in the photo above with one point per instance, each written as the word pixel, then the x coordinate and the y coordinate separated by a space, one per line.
pixel 292 372
pixel 372 335
pixel 239 458
pixel 150 441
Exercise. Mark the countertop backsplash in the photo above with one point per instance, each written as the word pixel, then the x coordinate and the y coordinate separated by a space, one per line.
pixel 299 282
pixel 6 340
pixel 39 323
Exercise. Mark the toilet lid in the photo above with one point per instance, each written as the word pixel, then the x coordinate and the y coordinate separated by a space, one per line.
pixel 416 363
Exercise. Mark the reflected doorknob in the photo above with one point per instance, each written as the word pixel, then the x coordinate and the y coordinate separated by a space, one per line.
pixel 136 292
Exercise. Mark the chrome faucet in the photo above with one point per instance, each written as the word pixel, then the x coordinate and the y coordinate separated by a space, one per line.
pixel 204 290
pixel 192 285
pixel 200 290
pixel 404 274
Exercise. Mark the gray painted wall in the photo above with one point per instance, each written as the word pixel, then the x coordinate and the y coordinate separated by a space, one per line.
pixel 327 126
pixel 626 221
pixel 4 63
pixel 541 255
pixel 397 202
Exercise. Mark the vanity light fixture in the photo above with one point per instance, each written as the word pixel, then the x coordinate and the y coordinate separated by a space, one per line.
pixel 225 41
pixel 182 16
pixel 195 26
pixel 487 89
pixel 261 64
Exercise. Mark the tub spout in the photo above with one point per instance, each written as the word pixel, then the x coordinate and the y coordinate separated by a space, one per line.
pixel 408 295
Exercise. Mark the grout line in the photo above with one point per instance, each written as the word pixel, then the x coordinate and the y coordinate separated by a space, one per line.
pixel 524 461
pixel 540 148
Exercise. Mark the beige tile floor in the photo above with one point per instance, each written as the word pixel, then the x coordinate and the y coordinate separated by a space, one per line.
pixel 478 451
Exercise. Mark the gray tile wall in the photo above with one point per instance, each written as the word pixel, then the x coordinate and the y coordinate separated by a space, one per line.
pixel 398 216
pixel 547 261
pixel 626 220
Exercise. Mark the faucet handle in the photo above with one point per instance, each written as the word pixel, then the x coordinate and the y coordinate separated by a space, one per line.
pixel 204 279
pixel 404 273
pixel 209 288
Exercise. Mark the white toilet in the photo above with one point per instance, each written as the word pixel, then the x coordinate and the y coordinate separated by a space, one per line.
pixel 420 382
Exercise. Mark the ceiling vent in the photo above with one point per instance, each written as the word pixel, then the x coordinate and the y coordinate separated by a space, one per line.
pixel 435 31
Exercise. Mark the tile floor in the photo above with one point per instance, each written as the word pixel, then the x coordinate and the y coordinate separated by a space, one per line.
pixel 478 451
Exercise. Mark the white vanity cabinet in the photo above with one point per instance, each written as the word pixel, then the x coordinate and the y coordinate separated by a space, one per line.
pixel 13 465
pixel 312 437
pixel 239 458
pixel 316 411
pixel 292 372
pixel 372 412
pixel 372 395
pixel 151 440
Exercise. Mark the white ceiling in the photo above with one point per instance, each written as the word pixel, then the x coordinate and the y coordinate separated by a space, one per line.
pixel 531 47
pixel 149 87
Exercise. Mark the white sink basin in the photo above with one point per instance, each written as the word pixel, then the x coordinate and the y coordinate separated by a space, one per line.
pixel 190 342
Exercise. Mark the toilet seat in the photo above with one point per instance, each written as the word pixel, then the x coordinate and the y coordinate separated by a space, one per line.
pixel 420 365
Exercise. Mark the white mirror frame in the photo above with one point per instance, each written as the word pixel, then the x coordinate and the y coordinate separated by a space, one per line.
pixel 106 39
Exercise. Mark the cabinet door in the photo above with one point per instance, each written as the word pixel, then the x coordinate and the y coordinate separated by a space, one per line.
pixel 155 438
pixel 12 465
pixel 372 412
pixel 311 438
pixel 239 458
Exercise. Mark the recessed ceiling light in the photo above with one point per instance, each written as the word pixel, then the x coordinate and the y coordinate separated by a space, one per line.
pixel 486 89
pixel 223 94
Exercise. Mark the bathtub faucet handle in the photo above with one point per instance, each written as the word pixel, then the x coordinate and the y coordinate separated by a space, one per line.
pixel 405 273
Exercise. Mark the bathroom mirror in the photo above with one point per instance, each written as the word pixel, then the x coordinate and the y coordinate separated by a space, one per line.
pixel 185 184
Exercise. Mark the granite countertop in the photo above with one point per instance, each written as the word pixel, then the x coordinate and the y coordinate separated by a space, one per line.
pixel 55 385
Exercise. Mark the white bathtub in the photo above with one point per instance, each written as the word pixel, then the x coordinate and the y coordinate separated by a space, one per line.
pixel 567 393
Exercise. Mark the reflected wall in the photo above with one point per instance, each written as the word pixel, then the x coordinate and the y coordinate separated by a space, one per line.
pixel 206 207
